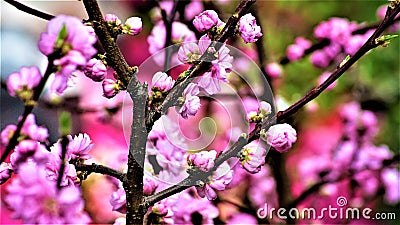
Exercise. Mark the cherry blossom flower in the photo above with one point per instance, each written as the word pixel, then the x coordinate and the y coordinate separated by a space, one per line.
pixel 248 28
pixel 218 182
pixel 205 20
pixel 73 43
pixel 110 88
pixel 192 101
pixel 23 82
pixel 203 160
pixel 149 186
pixel 118 199
pixel 188 52
pixel 78 147
pixel 281 137
pixel 133 25
pixel 274 70
pixel 390 178
pixel 5 172
pixel 252 157
pixel 36 200
pixel 112 18
pixel 95 70
pixel 52 168
pixel 29 149
pixel 162 81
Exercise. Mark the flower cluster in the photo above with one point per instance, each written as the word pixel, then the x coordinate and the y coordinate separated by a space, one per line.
pixel 70 43
pixel 248 28
pixel 23 82
pixel 191 102
pixel 217 182
pixel 252 157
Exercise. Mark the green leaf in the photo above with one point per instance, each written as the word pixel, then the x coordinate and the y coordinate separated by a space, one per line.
pixel 65 123
pixel 61 36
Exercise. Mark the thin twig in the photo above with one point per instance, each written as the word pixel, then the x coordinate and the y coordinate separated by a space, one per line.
pixel 95 168
pixel 64 146
pixel 30 10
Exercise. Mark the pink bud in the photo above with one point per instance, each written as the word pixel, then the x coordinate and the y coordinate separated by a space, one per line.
pixel 112 18
pixel 205 20
pixel 162 81
pixel 281 137
pixel 248 28
pixel 274 70
pixel 110 88
pixel 149 186
pixel 134 25
pixel 95 70
pixel 294 52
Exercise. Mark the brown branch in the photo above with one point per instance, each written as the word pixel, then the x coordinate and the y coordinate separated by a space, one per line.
pixel 114 58
pixel 95 168
pixel 30 10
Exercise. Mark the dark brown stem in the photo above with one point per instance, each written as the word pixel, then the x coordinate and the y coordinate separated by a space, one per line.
pixel 29 10
pixel 28 110
pixel 64 145
pixel 95 168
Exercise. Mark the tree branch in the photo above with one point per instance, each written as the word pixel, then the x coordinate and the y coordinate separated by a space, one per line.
pixel 95 168
pixel 30 10
pixel 114 58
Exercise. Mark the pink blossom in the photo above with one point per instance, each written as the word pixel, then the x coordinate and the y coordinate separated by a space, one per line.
pixel 180 33
pixel 112 18
pixel 371 157
pixel 120 221
pixel 294 52
pixel 390 178
pixel 73 42
pixel 149 186
pixel 23 82
pixel 52 168
pixel 95 70
pixel 29 149
pixel 78 147
pixel 192 101
pixel 252 157
pixel 281 137
pixel 134 25
pixel 241 218
pixel 248 28
pixel 110 88
pixel 263 188
pixel 118 200
pixel 35 199
pixel 162 81
pixel 203 160
pixel 193 8
pixel 265 109
pixel 274 70
pixel 5 172
pixel 219 181
pixel 323 78
pixel 34 131
pixel 186 205
pixel 302 42
pixel 205 20
pixel 7 133
pixel 188 52
pixel 320 59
